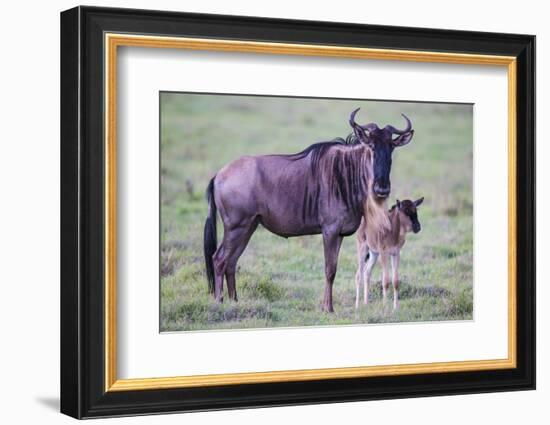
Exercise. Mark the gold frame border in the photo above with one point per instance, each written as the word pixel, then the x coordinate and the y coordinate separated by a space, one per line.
pixel 113 41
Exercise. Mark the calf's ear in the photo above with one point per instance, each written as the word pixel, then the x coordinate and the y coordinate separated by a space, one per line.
pixel 418 202
pixel 403 139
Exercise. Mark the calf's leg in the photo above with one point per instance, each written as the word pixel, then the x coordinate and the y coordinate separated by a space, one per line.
pixel 362 250
pixel 395 279
pixel 385 279
pixel 373 257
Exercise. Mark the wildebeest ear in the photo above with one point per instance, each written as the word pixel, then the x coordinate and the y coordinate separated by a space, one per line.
pixel 361 135
pixel 398 203
pixel 418 202
pixel 359 131
pixel 403 139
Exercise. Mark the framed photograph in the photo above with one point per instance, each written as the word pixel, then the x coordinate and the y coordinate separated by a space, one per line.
pixel 261 212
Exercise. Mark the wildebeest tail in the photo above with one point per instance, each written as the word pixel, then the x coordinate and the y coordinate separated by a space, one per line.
pixel 210 237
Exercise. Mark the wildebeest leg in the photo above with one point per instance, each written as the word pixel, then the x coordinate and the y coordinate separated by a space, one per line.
pixel 230 277
pixel 238 248
pixel 332 242
pixel 373 257
pixel 395 279
pixel 231 237
pixel 362 249
pixel 385 277
pixel 217 258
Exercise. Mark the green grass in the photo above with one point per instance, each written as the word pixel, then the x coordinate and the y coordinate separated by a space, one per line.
pixel 280 282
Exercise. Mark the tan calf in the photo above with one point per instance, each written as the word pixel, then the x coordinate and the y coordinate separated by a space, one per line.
pixel 386 243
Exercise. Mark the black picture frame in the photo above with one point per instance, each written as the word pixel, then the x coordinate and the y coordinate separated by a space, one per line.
pixel 83 392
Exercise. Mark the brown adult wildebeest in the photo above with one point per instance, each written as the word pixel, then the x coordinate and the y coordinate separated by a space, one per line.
pixel 325 189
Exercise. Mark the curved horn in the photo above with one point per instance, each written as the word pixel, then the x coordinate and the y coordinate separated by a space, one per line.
pixel 369 127
pixel 396 131
pixel 352 118
pixel 356 127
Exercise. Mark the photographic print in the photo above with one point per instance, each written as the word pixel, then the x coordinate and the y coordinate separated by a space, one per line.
pixel 289 212
pixel 344 199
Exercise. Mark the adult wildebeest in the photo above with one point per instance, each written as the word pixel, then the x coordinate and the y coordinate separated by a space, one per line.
pixel 326 188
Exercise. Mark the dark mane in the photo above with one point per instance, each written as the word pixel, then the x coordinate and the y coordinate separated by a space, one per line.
pixel 319 149
pixel 347 182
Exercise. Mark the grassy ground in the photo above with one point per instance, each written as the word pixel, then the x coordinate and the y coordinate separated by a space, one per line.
pixel 280 281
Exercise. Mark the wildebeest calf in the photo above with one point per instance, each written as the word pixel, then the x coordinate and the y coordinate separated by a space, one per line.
pixel 386 243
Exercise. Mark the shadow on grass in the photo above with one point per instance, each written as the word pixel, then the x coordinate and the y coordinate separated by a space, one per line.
pixel 408 291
